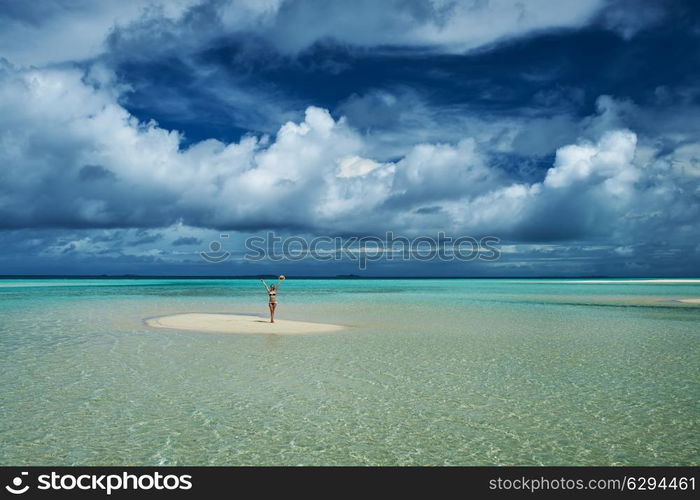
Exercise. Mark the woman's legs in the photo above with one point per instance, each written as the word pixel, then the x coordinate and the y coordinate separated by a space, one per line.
pixel 273 306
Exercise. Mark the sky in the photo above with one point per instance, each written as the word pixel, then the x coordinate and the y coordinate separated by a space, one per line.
pixel 134 134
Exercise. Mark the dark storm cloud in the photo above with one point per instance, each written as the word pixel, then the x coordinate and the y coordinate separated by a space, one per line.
pixel 240 81
pixel 548 124
pixel 222 69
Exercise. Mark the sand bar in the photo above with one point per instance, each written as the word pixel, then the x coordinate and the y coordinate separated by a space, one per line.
pixel 689 301
pixel 239 324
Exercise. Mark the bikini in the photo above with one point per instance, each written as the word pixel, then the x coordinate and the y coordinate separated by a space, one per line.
pixel 273 297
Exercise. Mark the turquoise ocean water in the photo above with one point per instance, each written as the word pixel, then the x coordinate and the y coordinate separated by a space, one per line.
pixel 474 372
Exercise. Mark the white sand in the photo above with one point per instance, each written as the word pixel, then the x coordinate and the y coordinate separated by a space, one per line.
pixel 690 301
pixel 239 324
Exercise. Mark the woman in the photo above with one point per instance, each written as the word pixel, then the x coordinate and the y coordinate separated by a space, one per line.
pixel 272 294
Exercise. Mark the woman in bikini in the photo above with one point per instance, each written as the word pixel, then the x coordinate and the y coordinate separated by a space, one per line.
pixel 272 294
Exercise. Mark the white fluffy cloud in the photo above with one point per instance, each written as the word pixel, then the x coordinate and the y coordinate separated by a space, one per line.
pixel 84 161
pixel 37 33
pixel 43 32
pixel 587 184
pixel 71 156
pixel 454 25
pixel 609 161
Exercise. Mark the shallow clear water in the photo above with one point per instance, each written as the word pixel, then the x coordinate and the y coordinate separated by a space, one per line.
pixel 430 372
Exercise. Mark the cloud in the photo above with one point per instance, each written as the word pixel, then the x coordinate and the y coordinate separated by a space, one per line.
pixel 610 159
pixel 145 238
pixel 44 32
pixel 57 124
pixel 64 131
pixel 394 120
pixel 186 240
pixel 224 68
pixel 184 120
pixel 292 26
pixel 455 26
pixel 91 173
pixel 39 33
pixel 354 166
pixel 628 17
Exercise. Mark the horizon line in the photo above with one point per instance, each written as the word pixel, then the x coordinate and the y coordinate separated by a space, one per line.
pixel 337 276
